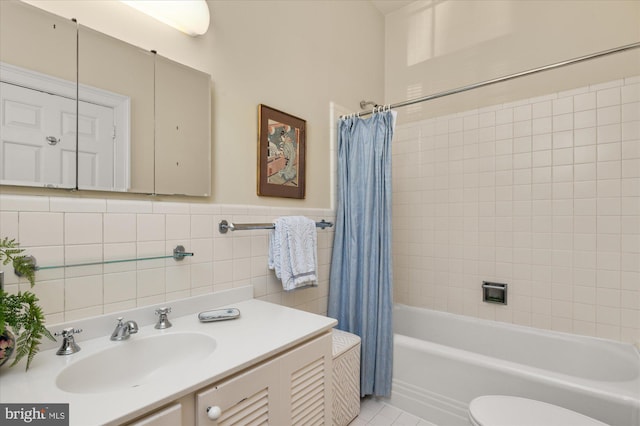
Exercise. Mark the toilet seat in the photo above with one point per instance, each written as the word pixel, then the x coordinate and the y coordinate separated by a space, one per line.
pixel 500 410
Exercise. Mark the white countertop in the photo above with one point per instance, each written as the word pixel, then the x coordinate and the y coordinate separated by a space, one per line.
pixel 263 330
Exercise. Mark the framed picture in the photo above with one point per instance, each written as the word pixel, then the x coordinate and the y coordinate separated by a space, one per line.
pixel 281 153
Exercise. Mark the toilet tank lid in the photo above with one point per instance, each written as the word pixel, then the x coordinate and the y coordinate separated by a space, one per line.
pixel 502 410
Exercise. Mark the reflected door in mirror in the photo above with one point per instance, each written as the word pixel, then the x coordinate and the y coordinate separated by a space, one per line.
pixel 96 148
pixel 38 143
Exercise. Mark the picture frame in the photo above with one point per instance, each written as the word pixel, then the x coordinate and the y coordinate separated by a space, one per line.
pixel 281 154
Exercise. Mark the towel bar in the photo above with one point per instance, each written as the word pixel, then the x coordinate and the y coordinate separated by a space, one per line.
pixel 225 226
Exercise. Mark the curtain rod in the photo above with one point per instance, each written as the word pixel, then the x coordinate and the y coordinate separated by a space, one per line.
pixel 510 76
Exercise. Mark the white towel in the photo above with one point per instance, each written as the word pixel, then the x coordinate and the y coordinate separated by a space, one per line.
pixel 293 252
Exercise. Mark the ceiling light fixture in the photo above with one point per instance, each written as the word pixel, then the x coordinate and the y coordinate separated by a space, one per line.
pixel 189 16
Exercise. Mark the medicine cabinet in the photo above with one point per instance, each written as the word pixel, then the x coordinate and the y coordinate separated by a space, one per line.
pixel 83 110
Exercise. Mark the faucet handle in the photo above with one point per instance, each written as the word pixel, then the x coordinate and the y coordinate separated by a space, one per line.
pixel 163 321
pixel 69 346
pixel 68 332
pixel 163 311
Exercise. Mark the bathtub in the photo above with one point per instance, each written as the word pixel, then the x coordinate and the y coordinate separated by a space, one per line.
pixel 442 361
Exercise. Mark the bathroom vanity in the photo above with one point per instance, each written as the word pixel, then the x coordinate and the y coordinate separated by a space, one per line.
pixel 271 363
pixel 288 389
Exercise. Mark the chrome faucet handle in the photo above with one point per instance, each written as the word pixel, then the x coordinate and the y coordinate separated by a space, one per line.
pixel 163 311
pixel 69 345
pixel 163 321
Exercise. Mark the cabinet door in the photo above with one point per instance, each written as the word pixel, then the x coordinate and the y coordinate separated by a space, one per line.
pixel 183 134
pixel 169 416
pixel 38 73
pixel 306 372
pixel 102 72
pixel 292 389
pixel 37 40
pixel 247 399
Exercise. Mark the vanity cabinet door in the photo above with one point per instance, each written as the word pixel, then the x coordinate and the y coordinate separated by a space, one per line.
pixel 246 399
pixel 306 392
pixel 168 416
pixel 292 389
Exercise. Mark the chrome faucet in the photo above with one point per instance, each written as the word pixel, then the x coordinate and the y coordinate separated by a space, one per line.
pixel 163 321
pixel 69 345
pixel 124 329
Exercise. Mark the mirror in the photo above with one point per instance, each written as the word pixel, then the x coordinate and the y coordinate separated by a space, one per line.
pixel 37 98
pixel 183 147
pixel 116 108
pixel 144 120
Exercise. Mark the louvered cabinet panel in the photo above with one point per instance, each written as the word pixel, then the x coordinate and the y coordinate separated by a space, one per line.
pixel 308 386
pixel 247 399
pixel 291 389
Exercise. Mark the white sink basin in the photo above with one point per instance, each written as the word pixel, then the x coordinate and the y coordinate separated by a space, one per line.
pixel 135 362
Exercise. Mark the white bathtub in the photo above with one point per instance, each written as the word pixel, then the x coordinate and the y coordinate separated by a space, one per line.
pixel 442 361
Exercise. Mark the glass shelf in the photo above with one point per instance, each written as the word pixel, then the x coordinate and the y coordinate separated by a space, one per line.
pixel 178 254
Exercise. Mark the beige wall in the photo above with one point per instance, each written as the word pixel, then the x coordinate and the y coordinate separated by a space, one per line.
pixel 298 57
pixel 432 46
pixel 294 56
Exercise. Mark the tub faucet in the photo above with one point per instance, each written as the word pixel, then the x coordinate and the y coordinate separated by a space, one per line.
pixel 124 329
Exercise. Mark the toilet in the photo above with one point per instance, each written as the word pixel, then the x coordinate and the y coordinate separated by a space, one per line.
pixel 500 410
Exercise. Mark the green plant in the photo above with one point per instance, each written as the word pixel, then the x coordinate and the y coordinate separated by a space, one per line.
pixel 20 311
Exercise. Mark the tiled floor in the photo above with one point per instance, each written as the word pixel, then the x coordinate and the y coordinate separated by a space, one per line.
pixel 374 412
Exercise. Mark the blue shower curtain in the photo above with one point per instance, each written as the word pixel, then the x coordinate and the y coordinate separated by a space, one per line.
pixel 360 289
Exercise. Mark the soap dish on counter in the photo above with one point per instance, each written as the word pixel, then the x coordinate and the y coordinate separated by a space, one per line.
pixel 219 315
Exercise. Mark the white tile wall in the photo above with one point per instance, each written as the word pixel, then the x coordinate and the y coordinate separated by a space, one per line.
pixel 58 230
pixel 543 194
